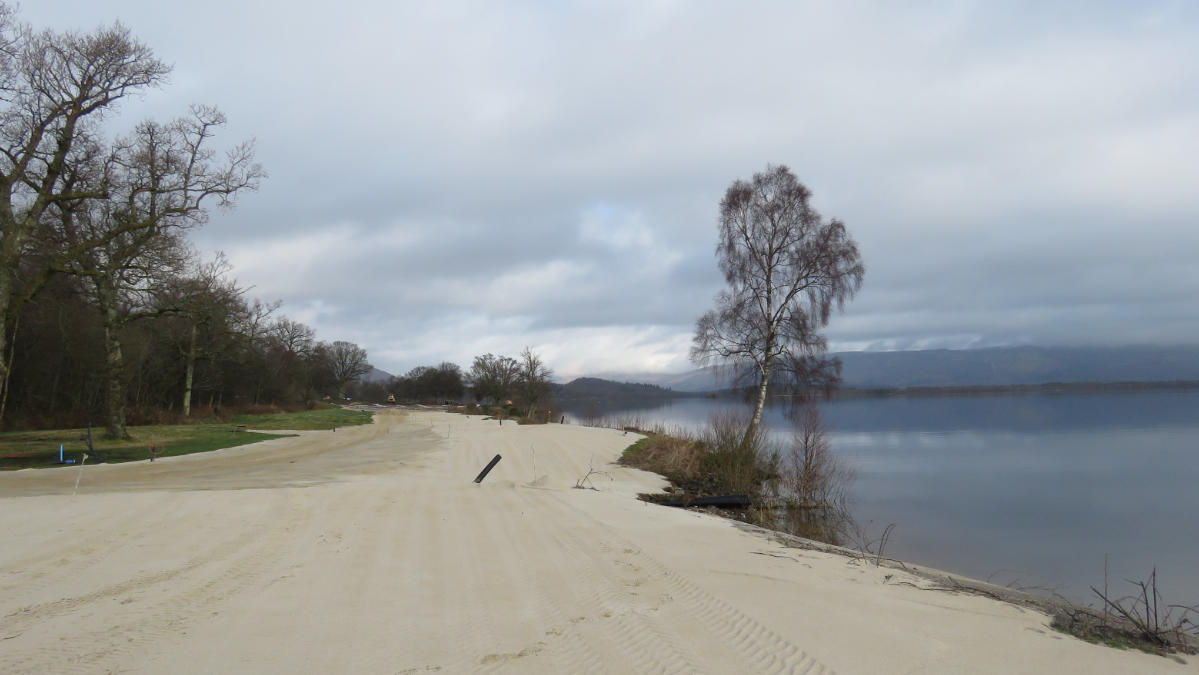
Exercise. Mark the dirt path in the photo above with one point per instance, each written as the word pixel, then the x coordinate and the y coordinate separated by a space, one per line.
pixel 370 550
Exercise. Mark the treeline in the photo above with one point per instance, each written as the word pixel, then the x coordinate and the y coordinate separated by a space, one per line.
pixel 523 382
pixel 213 350
pixel 106 311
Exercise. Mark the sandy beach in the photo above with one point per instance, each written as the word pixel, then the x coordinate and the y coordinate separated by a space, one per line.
pixel 370 550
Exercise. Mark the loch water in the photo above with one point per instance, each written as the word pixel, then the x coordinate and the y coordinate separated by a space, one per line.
pixel 1029 490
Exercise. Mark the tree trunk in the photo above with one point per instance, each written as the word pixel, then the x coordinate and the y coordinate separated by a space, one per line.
pixel 191 373
pixel 7 282
pixel 759 406
pixel 767 363
pixel 7 372
pixel 114 392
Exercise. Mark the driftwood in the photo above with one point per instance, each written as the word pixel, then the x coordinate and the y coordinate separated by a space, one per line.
pixel 724 501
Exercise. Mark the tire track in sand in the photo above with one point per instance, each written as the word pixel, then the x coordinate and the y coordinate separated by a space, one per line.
pixel 202 582
pixel 758 648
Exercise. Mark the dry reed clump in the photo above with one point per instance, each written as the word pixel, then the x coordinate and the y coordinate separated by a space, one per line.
pixel 714 462
pixel 679 459
pixel 1142 620
pixel 736 464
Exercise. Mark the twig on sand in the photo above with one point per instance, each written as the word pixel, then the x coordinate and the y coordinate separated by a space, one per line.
pixel 584 483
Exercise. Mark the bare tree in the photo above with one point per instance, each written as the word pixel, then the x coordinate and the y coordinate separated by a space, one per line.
pixel 54 89
pixel 786 268
pixel 209 305
pixel 532 380
pixel 814 475
pixel 493 377
pixel 285 361
pixel 347 362
pixel 293 337
pixel 160 180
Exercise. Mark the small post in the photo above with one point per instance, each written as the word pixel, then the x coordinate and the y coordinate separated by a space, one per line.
pixel 80 474
pixel 60 453
pixel 487 469
pixel 563 420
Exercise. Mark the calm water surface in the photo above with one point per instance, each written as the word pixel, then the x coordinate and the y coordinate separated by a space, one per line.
pixel 1029 490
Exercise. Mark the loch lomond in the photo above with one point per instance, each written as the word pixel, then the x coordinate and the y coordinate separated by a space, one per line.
pixel 1030 490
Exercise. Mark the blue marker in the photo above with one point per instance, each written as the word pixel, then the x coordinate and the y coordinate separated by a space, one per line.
pixel 60 454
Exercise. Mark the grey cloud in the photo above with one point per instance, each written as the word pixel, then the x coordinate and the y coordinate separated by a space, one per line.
pixel 1012 172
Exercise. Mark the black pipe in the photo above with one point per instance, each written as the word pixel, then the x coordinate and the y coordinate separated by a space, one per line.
pixel 483 474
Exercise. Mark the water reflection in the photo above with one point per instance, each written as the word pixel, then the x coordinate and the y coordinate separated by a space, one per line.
pixel 1032 490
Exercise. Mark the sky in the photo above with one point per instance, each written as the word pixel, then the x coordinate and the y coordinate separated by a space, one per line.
pixel 451 178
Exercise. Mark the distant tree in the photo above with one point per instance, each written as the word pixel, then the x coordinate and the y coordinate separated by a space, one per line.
pixel 289 344
pixel 447 382
pixel 319 372
pixel 431 383
pixel 493 377
pixel 786 269
pixel 347 362
pixel 532 381
pixel 208 308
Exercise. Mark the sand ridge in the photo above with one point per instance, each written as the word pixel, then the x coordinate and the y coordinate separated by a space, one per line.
pixel 371 550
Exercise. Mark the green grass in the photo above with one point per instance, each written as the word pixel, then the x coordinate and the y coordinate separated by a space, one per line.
pixel 25 449
pixel 306 420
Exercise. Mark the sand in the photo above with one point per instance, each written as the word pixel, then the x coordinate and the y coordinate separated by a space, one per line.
pixel 370 550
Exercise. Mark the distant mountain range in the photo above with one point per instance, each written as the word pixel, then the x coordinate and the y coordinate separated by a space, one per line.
pixel 1002 366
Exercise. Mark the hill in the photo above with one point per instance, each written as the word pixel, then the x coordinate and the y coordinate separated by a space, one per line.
pixel 1000 366
pixel 1018 366
pixel 376 375
pixel 585 388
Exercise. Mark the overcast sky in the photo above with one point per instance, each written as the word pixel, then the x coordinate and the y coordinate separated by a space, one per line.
pixel 448 179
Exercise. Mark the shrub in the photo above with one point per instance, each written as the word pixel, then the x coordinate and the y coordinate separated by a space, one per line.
pixel 738 465
pixel 812 475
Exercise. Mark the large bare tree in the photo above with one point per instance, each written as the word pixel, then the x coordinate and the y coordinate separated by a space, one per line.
pixel 54 89
pixel 159 182
pixel 787 268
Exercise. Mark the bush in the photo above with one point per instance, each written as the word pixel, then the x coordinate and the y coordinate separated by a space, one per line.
pixel 715 462
pixel 813 476
pixel 735 464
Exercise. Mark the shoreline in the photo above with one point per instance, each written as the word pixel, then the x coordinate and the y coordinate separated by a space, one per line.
pixel 370 549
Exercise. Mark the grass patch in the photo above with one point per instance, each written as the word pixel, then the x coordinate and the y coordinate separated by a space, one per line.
pixel 31 449
pixel 680 460
pixel 305 420
pixel 506 413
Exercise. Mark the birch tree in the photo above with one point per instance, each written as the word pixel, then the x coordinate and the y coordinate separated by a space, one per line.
pixel 787 268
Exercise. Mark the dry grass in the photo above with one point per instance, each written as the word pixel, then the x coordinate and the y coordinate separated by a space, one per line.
pixel 713 463
pixel 680 459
